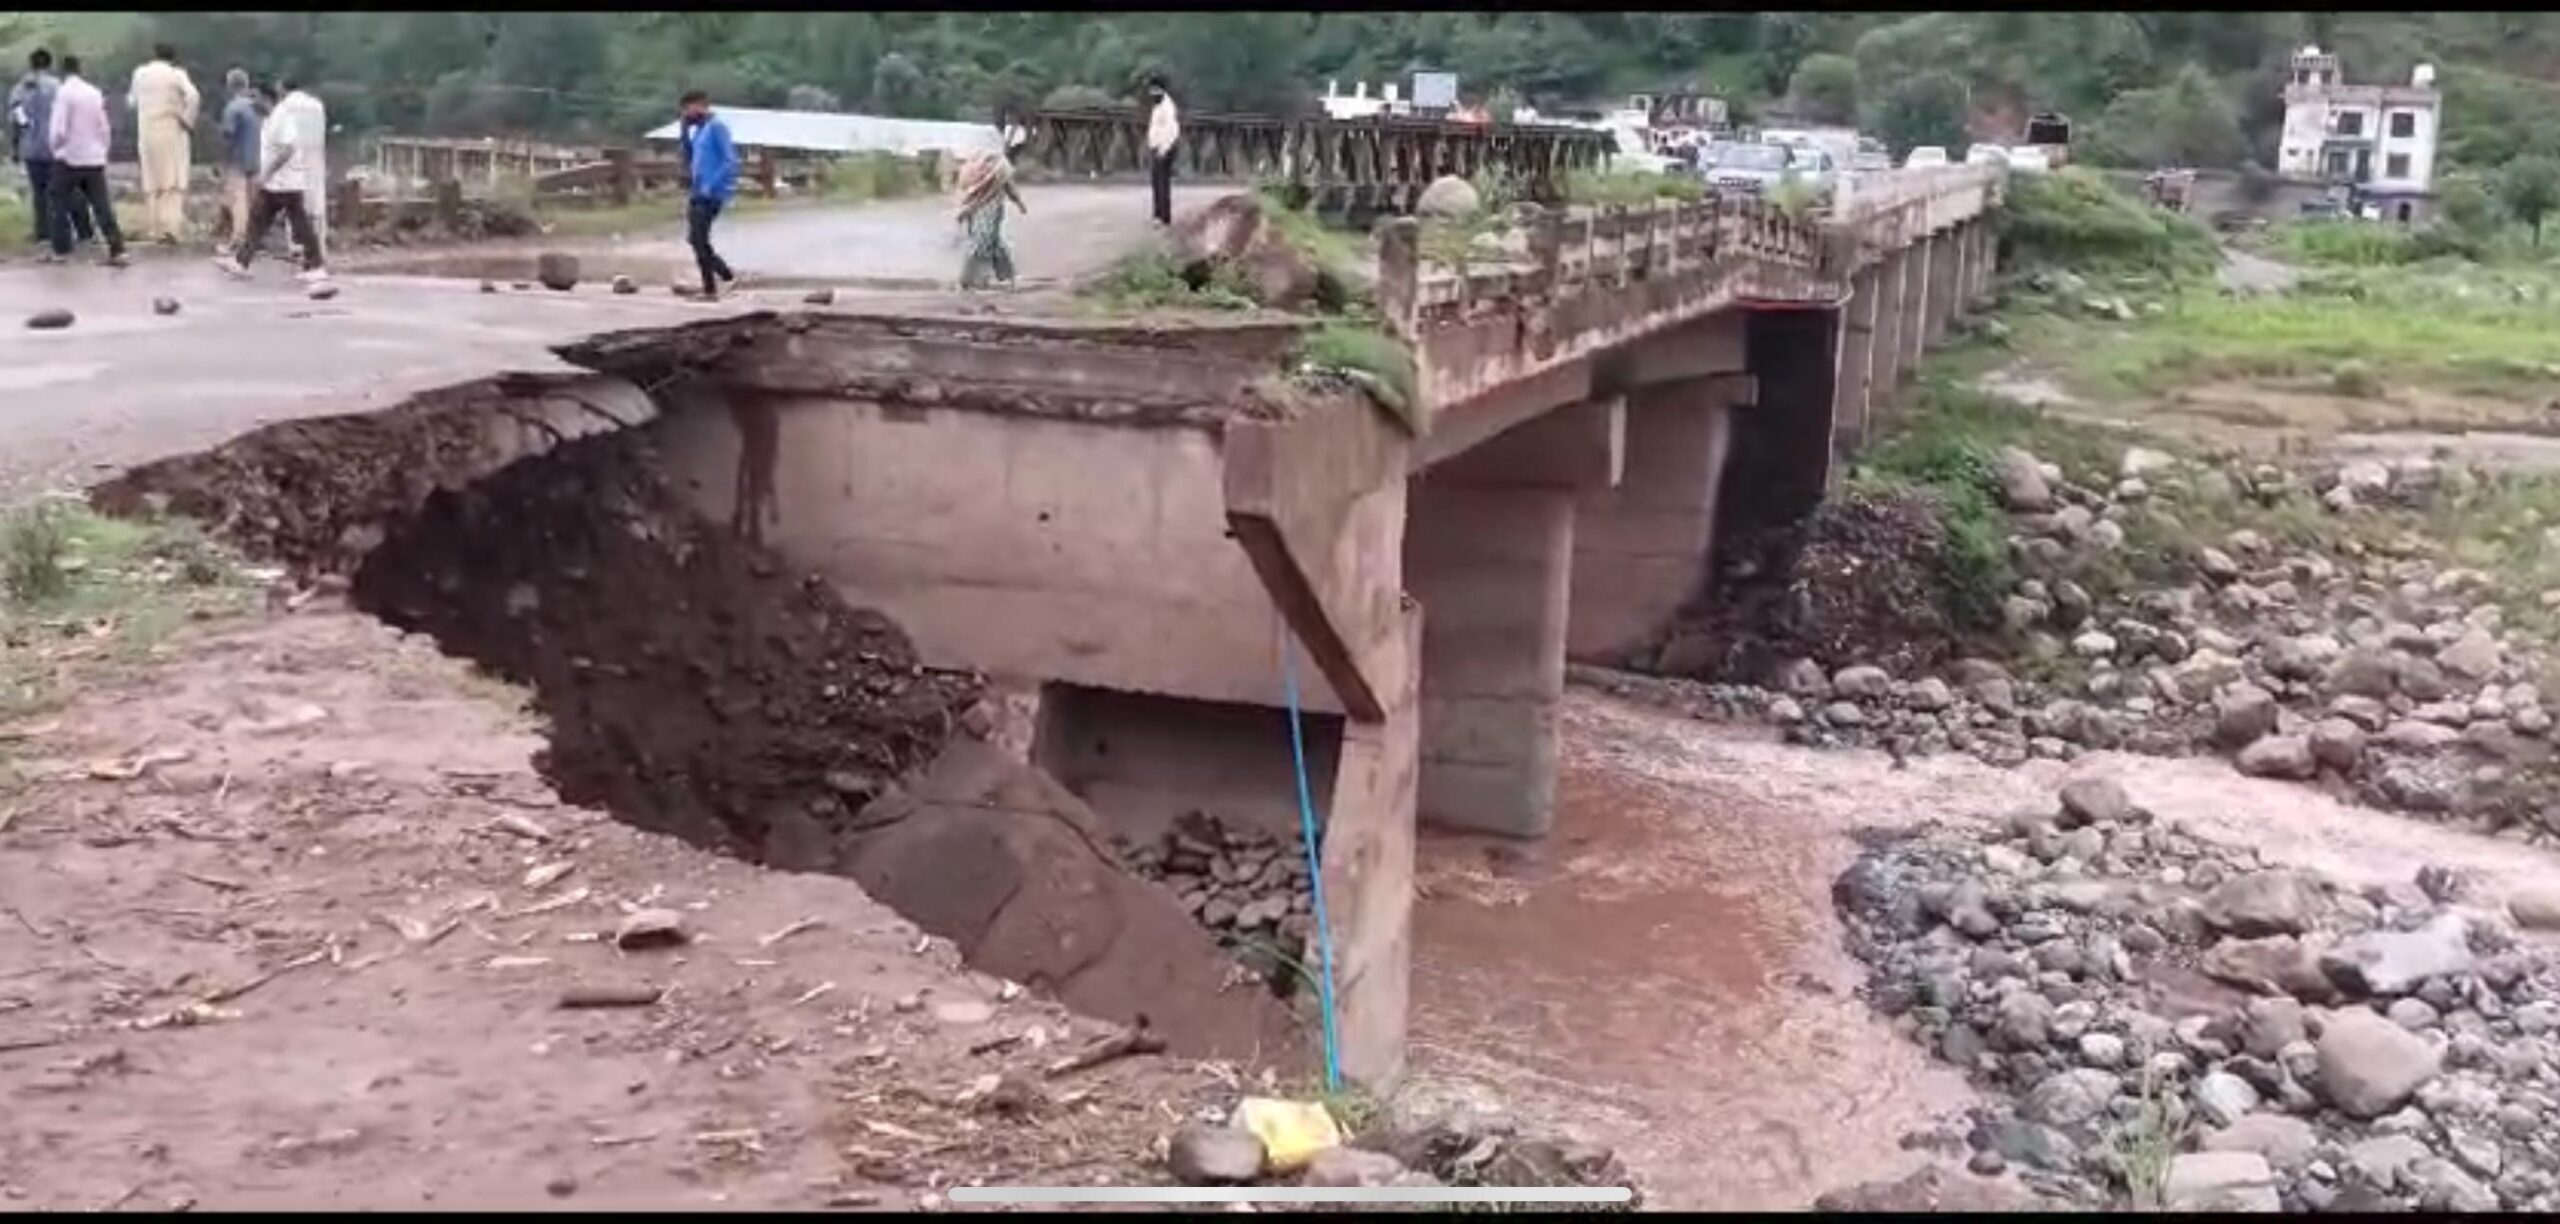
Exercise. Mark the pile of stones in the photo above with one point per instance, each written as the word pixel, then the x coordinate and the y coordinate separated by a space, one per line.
pixel 1248 887
pixel 2170 1021
pixel 2392 678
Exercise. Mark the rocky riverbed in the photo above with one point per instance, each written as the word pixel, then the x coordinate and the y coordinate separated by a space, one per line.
pixel 2367 663
pixel 2170 1021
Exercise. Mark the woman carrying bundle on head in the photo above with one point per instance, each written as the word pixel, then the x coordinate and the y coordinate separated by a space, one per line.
pixel 986 184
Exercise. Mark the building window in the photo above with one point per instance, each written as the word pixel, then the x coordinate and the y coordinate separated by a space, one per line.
pixel 2404 124
pixel 2351 123
pixel 2396 166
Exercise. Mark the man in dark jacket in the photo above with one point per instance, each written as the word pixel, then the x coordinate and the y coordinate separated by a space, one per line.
pixel 30 122
pixel 242 118
pixel 711 166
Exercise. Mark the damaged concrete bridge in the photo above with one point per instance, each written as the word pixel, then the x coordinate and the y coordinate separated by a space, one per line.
pixel 1154 541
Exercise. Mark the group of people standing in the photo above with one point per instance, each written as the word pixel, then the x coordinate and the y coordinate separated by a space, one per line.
pixel 272 140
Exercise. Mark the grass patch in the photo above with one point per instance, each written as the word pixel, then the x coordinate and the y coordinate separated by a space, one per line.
pixel 2142 1148
pixel 87 592
pixel 1157 280
pixel 1630 188
pixel 1366 353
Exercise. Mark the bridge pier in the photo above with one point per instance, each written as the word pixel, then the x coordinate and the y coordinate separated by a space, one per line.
pixel 1856 366
pixel 1885 364
pixel 1641 549
pixel 1946 266
pixel 1913 339
pixel 1489 553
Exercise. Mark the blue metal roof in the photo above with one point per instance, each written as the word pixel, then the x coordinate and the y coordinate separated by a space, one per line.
pixel 828 132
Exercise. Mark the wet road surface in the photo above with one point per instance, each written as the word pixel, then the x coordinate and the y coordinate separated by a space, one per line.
pixel 124 385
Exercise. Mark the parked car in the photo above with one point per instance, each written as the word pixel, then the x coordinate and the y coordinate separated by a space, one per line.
pixel 1871 161
pixel 1814 168
pixel 1746 169
pixel 1632 157
pixel 2026 160
pixel 1925 157
pixel 1986 155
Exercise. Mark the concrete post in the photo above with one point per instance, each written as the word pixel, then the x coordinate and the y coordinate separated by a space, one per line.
pixel 1960 286
pixel 1856 349
pixel 1987 261
pixel 1885 358
pixel 1641 550
pixel 1488 551
pixel 1941 300
pixel 1915 304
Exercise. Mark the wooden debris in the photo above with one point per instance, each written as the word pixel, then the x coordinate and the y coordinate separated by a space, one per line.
pixel 544 876
pixel 789 931
pixel 215 882
pixel 228 993
pixel 813 992
pixel 1124 1044
pixel 650 928
pixel 615 1141
pixel 521 826
pixel 612 995
pixel 563 901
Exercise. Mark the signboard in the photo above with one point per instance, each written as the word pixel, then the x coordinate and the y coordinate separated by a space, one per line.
pixel 1435 90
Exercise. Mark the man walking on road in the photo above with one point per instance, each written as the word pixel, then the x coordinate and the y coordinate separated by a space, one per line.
pixel 77 131
pixel 288 163
pixel 164 102
pixel 242 117
pixel 31 129
pixel 711 164
pixel 1164 130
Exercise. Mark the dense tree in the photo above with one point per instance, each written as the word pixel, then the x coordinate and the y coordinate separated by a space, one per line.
pixel 593 75
pixel 1927 109
pixel 2530 189
pixel 2186 122
pixel 1825 87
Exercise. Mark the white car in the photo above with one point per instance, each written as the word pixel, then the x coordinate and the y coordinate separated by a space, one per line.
pixel 1926 157
pixel 1986 155
pixel 2026 160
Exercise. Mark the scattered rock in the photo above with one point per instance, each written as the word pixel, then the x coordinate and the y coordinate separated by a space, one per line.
pixel 2261 903
pixel 2397 962
pixel 963 1013
pixel 1349 1166
pixel 556 270
pixel 820 297
pixel 2287 1143
pixel 2220 1181
pixel 164 306
pixel 650 928
pixel 2022 483
pixel 2094 800
pixel 50 320
pixel 324 291
pixel 1203 1155
pixel 625 286
pixel 2370 1066
pixel 2279 756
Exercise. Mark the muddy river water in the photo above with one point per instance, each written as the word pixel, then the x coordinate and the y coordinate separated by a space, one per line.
pixel 1665 973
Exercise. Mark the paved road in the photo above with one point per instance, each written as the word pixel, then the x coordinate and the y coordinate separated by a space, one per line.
pixel 1068 231
pixel 125 386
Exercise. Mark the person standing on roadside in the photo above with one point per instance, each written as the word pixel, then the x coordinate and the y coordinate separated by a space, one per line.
pixel 288 164
pixel 711 169
pixel 31 124
pixel 165 103
pixel 78 132
pixel 242 117
pixel 1164 131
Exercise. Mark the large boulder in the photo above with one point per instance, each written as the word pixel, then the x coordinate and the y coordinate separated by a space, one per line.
pixel 2387 963
pixel 2261 903
pixel 2370 1066
pixel 2022 484
pixel 2278 756
pixel 2243 714
pixel 556 270
pixel 1237 234
pixel 999 858
pixel 1449 197
pixel 2287 1143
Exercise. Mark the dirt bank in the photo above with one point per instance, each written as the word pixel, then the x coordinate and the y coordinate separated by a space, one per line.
pixel 286 924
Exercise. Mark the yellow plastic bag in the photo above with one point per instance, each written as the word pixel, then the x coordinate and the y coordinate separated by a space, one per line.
pixel 1292 1132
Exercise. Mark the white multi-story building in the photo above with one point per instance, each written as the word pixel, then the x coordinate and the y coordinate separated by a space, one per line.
pixel 2377 139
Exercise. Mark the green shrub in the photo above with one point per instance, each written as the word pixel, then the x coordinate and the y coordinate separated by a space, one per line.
pixel 2355 379
pixel 1630 188
pixel 2354 244
pixel 34 544
pixel 1380 360
pixel 2073 219
pixel 1152 280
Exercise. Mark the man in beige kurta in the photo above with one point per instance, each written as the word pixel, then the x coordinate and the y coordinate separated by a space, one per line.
pixel 165 102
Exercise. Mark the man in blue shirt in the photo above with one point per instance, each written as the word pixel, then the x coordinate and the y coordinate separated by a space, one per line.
pixel 711 166
pixel 30 119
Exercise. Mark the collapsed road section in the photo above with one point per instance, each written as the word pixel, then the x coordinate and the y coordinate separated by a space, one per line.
pixel 719 660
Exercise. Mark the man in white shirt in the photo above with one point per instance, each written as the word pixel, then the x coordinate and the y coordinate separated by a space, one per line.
pixel 164 102
pixel 1164 130
pixel 79 134
pixel 289 172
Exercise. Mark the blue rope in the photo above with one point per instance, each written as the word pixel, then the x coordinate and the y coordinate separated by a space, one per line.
pixel 1315 862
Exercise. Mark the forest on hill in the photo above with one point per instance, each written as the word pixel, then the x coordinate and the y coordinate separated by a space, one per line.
pixel 2188 88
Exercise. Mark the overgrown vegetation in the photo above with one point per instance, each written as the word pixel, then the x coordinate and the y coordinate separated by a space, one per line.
pixel 1159 280
pixel 1365 352
pixel 2073 219
pixel 81 591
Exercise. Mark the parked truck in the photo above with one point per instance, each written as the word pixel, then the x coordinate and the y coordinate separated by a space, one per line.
pixel 2051 132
